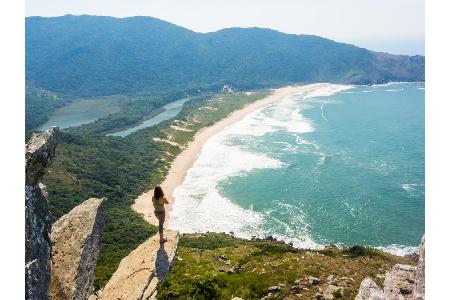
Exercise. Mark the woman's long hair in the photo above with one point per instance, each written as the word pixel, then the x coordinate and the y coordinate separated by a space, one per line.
pixel 158 192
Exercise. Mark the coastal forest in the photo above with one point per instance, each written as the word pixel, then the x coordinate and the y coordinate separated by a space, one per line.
pixel 148 63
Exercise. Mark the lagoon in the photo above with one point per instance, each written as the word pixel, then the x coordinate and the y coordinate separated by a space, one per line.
pixel 82 111
pixel 170 110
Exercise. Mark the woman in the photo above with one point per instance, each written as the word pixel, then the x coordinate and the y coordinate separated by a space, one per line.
pixel 158 203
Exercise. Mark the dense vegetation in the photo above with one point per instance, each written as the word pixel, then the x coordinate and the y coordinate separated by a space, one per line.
pixel 123 168
pixel 94 55
pixel 39 104
pixel 219 266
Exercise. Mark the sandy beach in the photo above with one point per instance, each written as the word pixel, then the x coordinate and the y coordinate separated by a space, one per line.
pixel 181 164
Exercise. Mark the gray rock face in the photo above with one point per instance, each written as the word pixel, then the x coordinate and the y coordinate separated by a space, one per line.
pixel 402 282
pixel 39 154
pixel 75 246
pixel 369 290
pixel 399 282
pixel 419 285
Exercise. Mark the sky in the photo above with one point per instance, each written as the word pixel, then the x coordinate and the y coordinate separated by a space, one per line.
pixel 394 26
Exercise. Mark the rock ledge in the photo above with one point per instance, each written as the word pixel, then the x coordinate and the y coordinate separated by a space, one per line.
pixel 76 240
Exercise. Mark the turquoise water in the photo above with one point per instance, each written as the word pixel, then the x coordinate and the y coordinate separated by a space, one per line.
pixel 170 110
pixel 82 111
pixel 339 164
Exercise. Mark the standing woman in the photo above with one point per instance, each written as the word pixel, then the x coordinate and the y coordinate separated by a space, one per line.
pixel 158 202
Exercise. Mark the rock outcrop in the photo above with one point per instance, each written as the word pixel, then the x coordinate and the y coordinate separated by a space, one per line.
pixel 402 282
pixel 419 285
pixel 76 240
pixel 369 290
pixel 142 270
pixel 39 154
pixel 399 282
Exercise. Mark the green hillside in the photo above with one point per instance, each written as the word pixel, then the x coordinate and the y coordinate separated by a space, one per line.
pixel 93 55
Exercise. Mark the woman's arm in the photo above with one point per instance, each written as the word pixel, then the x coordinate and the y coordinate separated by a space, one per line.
pixel 163 200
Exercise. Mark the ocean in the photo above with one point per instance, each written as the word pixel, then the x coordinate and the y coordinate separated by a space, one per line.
pixel 341 165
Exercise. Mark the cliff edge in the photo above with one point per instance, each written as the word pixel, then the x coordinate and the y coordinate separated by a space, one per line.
pixel 76 240
pixel 39 154
pixel 60 262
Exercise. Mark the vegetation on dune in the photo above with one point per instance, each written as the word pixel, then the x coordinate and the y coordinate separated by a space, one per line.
pixel 123 168
pixel 219 266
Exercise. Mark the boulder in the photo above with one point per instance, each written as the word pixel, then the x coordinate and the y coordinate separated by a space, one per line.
pixel 313 280
pixel 320 296
pixel 400 279
pixel 76 240
pixel 419 285
pixel 274 289
pixel 39 154
pixel 369 290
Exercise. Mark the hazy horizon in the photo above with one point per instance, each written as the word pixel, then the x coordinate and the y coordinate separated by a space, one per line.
pixel 393 27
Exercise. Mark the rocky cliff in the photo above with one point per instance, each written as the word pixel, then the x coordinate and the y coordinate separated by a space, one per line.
pixel 60 260
pixel 419 285
pixel 76 240
pixel 141 272
pixel 402 282
pixel 39 154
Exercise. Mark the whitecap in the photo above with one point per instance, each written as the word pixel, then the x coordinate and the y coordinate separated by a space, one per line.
pixel 410 188
pixel 399 250
pixel 391 83
pixel 323 114
pixel 391 90
pixel 327 90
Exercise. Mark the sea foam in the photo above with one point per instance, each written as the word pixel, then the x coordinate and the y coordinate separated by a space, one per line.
pixel 399 250
pixel 198 204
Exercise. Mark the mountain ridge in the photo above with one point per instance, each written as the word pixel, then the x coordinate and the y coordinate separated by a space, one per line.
pixel 98 55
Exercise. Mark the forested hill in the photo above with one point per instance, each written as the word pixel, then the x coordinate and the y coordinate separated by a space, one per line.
pixel 94 55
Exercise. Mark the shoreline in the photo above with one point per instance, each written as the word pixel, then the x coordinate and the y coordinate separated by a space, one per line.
pixel 183 162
